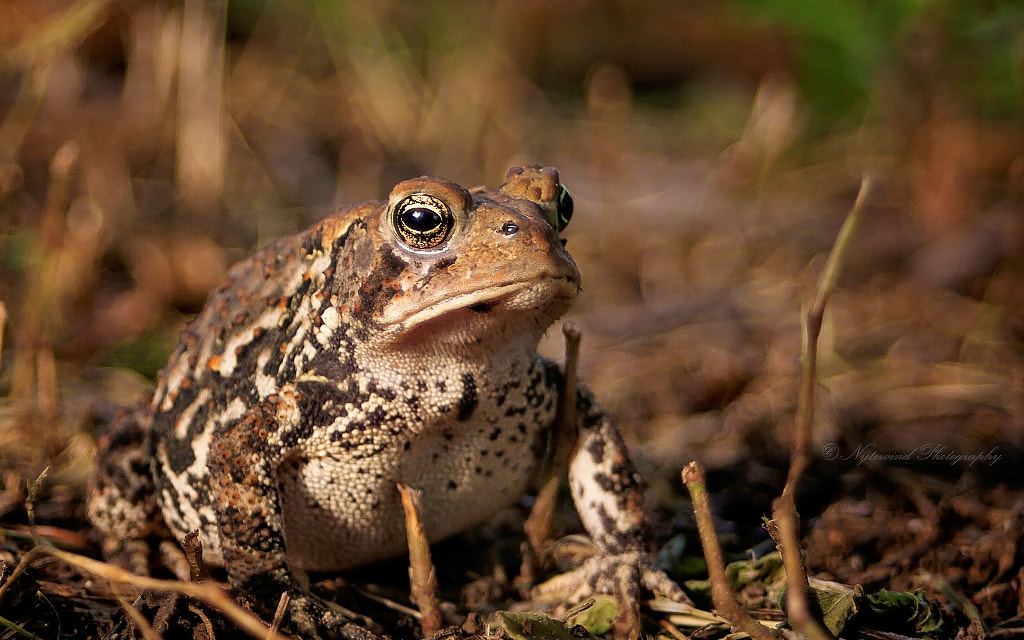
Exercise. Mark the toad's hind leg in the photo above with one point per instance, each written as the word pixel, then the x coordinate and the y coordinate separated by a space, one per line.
pixel 121 501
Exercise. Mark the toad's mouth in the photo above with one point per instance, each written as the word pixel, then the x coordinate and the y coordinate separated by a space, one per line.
pixel 545 295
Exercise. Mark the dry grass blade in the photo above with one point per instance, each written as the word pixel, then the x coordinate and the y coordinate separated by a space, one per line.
pixel 36 55
pixel 387 602
pixel 59 35
pixel 207 592
pixel 34 389
pixel 784 512
pixel 721 592
pixel 201 149
pixel 3 326
pixel 14 628
pixel 671 629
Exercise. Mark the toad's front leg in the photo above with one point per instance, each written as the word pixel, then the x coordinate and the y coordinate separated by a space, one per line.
pixel 609 499
pixel 243 484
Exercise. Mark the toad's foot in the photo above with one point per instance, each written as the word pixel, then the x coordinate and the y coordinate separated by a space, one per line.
pixel 312 617
pixel 623 575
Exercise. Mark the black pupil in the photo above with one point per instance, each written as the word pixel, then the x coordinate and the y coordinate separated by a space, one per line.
pixel 421 219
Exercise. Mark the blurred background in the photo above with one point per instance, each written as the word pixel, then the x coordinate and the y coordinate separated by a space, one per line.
pixel 712 149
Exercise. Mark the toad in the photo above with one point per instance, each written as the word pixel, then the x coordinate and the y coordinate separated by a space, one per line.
pixel 392 342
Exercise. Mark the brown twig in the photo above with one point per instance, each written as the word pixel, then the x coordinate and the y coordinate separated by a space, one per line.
pixel 205 619
pixel 422 577
pixel 567 404
pixel 721 592
pixel 811 329
pixel 193 547
pixel 784 514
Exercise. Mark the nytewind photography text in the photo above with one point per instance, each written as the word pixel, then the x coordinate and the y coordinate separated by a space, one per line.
pixel 929 452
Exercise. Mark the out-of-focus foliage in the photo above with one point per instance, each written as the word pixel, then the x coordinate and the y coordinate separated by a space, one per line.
pixel 840 47
pixel 847 53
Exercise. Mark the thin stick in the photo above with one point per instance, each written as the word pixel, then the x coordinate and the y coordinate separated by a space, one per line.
pixel 3 325
pixel 721 593
pixel 811 327
pixel 205 619
pixel 784 512
pixel 422 577
pixel 207 592
pixel 140 622
pixel 282 611
pixel 538 523
pixel 567 406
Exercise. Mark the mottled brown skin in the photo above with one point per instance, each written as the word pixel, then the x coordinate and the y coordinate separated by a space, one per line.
pixel 393 342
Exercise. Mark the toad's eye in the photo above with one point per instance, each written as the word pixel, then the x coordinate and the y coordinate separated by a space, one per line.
pixel 564 207
pixel 422 221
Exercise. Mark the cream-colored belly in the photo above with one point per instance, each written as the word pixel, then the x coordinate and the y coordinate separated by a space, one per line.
pixel 342 512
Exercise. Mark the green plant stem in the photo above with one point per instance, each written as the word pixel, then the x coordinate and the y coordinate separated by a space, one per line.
pixel 784 509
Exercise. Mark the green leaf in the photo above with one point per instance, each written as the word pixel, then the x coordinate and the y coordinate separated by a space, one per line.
pixel 535 626
pixel 838 605
pixel 598 618
pixel 906 613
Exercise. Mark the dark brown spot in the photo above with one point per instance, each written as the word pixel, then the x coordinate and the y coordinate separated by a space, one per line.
pixel 468 400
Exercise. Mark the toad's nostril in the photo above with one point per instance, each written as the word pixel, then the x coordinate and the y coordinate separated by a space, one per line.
pixel 510 228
